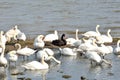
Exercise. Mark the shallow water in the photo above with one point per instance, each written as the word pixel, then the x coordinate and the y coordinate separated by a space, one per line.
pixel 72 67
pixel 44 16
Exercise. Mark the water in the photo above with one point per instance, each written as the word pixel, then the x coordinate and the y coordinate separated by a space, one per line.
pixel 35 17
pixel 40 17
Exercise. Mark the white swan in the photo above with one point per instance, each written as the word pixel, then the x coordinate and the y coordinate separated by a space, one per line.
pixel 12 56
pixel 93 56
pixel 49 51
pixel 68 51
pixel 12 33
pixel 21 36
pixel 24 51
pixel 38 42
pixel 3 60
pixel 105 38
pixel 3 39
pixel 70 41
pixel 47 55
pixel 51 37
pixel 35 65
pixel 92 33
pixel 74 41
pixel 104 50
pixel 117 49
pixel 88 45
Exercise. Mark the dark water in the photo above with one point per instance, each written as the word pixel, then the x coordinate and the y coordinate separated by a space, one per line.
pixel 44 16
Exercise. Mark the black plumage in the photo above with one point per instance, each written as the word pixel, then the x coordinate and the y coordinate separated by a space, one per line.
pixel 60 42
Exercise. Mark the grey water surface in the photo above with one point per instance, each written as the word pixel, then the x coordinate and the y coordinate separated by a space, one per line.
pixel 35 17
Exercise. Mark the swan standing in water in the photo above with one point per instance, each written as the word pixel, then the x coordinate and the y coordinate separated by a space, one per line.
pixel 60 42
pixel 3 60
pixel 35 65
pixel 38 42
pixel 24 51
pixel 51 37
pixel 92 33
pixel 93 56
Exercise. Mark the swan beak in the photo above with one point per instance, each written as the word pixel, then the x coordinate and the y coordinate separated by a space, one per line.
pixel 110 65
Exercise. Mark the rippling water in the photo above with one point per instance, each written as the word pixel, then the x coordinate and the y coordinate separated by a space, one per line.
pixel 41 16
pixel 44 16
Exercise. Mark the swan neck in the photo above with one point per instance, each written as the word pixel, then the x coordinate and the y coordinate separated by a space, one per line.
pixel 118 43
pixel 55 32
pixel 77 35
pixel 3 50
pixel 97 29
pixel 106 62
pixel 19 46
pixel 42 60
pixel 51 57
pixel 108 33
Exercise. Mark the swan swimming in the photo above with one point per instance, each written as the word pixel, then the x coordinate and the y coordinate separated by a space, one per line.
pixel 35 65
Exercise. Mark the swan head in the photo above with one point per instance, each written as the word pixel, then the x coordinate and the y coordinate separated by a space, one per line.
pixel 41 37
pixel 77 30
pixel 2 32
pixel 109 30
pixel 98 26
pixel 55 32
pixel 16 27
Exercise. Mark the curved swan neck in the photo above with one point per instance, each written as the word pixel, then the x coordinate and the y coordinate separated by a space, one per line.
pixel 118 43
pixel 3 50
pixel 43 60
pixel 105 61
pixel 19 46
pixel 97 29
pixel 94 44
pixel 77 34
pixel 108 33
pixel 51 57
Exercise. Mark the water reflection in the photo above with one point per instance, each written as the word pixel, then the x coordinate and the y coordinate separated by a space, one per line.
pixel 38 74
pixel 3 75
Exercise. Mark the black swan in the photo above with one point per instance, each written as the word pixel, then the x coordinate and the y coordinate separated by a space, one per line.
pixel 60 42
